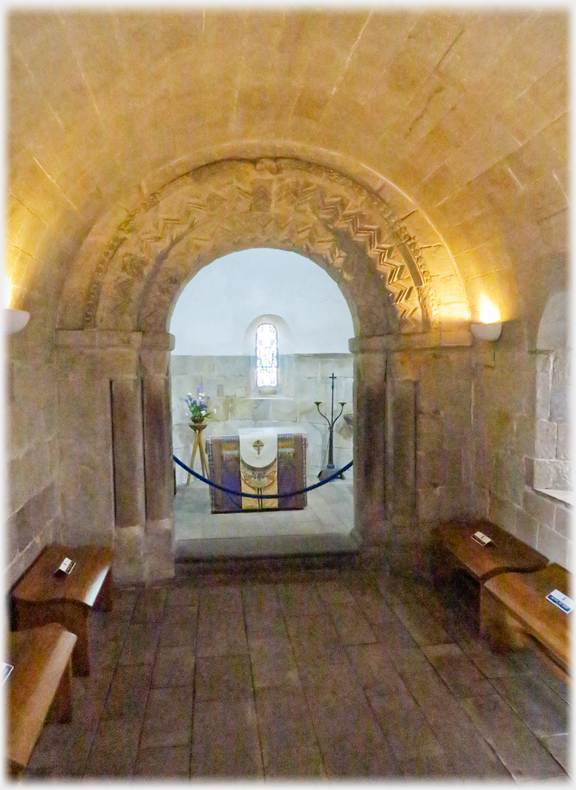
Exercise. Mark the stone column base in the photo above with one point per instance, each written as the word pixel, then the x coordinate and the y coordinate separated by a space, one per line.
pixel 129 564
pixel 160 549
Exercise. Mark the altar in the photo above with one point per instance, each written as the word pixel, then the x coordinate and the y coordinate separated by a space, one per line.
pixel 261 462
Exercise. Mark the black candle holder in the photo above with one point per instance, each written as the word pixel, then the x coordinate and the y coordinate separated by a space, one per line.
pixel 328 470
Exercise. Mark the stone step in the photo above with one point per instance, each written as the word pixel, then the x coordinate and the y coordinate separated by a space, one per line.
pixel 267 553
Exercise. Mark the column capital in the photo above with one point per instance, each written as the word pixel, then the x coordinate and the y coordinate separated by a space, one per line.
pixel 92 339
pixel 390 343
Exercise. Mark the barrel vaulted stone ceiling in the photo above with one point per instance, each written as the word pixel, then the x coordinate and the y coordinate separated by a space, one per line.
pixel 143 144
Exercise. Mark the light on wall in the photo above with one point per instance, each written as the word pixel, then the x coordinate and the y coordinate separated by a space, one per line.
pixel 490 327
pixel 487 331
pixel 14 320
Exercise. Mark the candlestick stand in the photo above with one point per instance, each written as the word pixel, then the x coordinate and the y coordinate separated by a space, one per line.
pixel 328 470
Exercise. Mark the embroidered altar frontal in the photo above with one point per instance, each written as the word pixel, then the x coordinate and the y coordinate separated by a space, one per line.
pixel 286 473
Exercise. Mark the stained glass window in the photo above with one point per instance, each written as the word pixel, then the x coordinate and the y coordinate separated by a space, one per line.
pixel 266 356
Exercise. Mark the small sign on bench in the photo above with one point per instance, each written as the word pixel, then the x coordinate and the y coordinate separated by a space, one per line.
pixel 66 567
pixel 481 538
pixel 560 600
pixel 6 670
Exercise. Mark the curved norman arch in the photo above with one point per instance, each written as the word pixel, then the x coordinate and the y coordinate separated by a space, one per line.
pixel 236 204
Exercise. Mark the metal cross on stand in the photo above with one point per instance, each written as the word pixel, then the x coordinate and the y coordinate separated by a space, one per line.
pixel 328 471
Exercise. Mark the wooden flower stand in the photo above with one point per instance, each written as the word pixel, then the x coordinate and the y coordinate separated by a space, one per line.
pixel 198 447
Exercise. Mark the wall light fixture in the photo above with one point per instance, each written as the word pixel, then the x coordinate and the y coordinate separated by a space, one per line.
pixel 487 331
pixel 15 320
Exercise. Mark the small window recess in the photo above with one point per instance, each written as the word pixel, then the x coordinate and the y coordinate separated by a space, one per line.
pixel 267 359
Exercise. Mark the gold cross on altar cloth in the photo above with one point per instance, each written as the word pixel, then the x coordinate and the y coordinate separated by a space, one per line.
pixel 258 445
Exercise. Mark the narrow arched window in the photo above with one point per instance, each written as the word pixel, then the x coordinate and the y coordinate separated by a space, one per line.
pixel 266 356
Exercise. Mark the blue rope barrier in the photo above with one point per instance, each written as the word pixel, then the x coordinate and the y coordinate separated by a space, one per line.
pixel 260 496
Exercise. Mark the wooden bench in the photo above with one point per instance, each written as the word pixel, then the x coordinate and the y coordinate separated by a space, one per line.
pixel 40 597
pixel 515 613
pixel 455 549
pixel 39 687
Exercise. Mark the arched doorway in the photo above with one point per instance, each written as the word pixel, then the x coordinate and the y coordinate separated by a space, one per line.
pixel 216 323
pixel 116 341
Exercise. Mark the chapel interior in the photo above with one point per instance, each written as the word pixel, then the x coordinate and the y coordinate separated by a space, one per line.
pixel 388 188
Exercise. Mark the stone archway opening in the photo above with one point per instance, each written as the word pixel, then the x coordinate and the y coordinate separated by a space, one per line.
pixel 113 320
pixel 212 351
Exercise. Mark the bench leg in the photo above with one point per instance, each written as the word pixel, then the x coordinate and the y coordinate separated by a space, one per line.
pixel 81 652
pixel 496 625
pixel 105 600
pixel 61 708
pixel 442 570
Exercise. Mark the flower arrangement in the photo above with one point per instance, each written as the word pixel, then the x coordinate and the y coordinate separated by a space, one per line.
pixel 198 406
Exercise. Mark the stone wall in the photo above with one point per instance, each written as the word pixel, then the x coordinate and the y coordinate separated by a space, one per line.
pixel 480 430
pixel 230 383
pixel 32 494
pixel 516 447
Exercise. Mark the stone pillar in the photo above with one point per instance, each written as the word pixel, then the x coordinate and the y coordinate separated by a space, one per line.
pixel 115 448
pixel 127 452
pixel 158 466
pixel 387 369
pixel 370 524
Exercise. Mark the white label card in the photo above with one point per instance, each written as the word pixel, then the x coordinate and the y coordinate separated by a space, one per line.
pixel 560 600
pixel 66 566
pixel 6 670
pixel 481 538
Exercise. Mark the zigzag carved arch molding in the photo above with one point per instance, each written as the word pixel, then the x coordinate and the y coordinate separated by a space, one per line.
pixel 233 204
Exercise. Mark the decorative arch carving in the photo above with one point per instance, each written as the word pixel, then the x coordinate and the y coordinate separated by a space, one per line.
pixel 284 203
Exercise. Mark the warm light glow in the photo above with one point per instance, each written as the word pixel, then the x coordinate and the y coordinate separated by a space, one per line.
pixel 6 290
pixel 489 313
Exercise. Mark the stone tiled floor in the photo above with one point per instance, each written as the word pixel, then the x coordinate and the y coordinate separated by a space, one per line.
pixel 303 674
pixel 329 510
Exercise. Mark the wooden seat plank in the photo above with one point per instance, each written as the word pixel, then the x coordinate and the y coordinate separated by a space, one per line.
pixel 522 597
pixel 505 552
pixel 39 682
pixel 40 597
pixel 83 585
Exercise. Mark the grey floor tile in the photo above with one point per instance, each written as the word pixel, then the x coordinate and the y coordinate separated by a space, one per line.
pixel 352 626
pixel 385 625
pixel 174 666
pixel 536 703
pixel 62 750
pixel 150 605
pixel 457 670
pixel 225 740
pixel 423 628
pixel 223 677
pixel 467 751
pixel 115 748
pixel 128 692
pixel 516 746
pixel 289 745
pixel 273 663
pixel 559 748
pixel 334 592
pixel 351 741
pixel 491 664
pixel 300 599
pixel 181 596
pixel 221 634
pixel 179 627
pixel 218 600
pixel 140 644
pixel 168 718
pixel 165 762
pixel 412 740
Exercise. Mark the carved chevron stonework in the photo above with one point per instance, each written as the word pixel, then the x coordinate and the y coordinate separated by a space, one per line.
pixel 237 204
